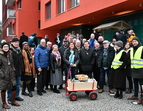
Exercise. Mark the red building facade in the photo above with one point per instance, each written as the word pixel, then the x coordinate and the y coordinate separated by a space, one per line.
pixel 52 16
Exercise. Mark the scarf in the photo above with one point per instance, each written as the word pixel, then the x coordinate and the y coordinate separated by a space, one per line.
pixel 71 57
pixel 58 57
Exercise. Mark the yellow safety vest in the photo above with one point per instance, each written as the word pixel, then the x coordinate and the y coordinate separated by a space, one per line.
pixel 116 63
pixel 136 61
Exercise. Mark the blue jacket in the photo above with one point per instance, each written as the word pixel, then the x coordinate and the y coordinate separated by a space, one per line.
pixel 41 57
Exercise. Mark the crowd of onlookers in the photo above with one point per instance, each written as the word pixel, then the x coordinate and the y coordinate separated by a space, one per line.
pixel 24 59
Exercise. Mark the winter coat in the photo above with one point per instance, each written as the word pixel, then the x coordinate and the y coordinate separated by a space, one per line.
pixel 110 57
pixel 118 76
pixel 23 38
pixel 17 59
pixel 66 57
pixel 87 60
pixel 27 68
pixel 41 57
pixel 7 72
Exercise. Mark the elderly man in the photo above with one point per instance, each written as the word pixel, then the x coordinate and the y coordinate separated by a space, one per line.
pixel 78 45
pixel 42 64
pixel 105 59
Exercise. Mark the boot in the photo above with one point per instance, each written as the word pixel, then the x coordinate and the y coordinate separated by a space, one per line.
pixel 55 89
pixel 120 95
pixel 117 94
pixel 4 104
pixel 29 90
pixel 129 91
pixel 51 87
pixel 13 103
pixel 23 89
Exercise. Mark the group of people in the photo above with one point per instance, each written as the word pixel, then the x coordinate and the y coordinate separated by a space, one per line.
pixel 95 57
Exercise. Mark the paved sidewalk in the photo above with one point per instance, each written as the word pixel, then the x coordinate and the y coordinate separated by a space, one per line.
pixel 59 102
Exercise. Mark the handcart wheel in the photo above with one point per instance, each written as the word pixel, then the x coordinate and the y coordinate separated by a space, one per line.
pixel 73 96
pixel 92 95
pixel 87 92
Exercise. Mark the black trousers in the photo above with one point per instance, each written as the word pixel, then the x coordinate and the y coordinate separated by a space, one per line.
pixel 41 79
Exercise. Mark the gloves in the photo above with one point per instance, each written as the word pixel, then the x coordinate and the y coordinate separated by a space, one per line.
pixel 53 71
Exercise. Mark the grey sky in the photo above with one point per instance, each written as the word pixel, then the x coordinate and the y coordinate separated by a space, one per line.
pixel 0 10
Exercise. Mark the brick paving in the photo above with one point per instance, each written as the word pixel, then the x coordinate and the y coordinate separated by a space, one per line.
pixel 59 102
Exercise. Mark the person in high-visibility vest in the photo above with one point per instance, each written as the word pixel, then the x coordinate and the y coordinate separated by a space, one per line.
pixel 136 57
pixel 118 75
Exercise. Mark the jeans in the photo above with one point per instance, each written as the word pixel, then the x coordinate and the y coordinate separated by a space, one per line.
pixel 102 77
pixel 72 72
pixel 18 80
pixel 136 86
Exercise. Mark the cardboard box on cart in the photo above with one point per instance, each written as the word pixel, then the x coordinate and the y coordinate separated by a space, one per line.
pixel 90 84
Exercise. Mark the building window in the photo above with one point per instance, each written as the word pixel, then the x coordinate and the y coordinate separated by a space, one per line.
pixel 19 4
pixel 39 6
pixel 48 10
pixel 39 23
pixel 74 3
pixel 61 6
pixel 10 30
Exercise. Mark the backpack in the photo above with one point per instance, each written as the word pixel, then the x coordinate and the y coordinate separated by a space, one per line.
pixel 31 41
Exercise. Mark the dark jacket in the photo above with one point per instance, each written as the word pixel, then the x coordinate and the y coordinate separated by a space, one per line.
pixel 23 38
pixel 62 50
pixel 41 57
pixel 66 57
pixel 87 60
pixel 118 76
pixel 53 62
pixel 7 72
pixel 18 60
pixel 97 55
pixel 110 57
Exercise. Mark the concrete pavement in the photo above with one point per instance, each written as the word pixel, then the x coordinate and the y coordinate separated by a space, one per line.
pixel 59 102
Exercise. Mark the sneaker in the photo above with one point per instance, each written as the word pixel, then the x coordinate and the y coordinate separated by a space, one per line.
pixel 133 98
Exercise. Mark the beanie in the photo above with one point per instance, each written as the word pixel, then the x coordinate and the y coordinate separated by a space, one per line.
pixel 136 38
pixel 119 43
pixel 4 43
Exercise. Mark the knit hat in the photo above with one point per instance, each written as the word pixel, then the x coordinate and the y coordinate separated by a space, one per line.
pixel 15 40
pixel 4 43
pixel 136 38
pixel 119 43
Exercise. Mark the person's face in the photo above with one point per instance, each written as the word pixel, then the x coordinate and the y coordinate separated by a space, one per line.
pixel 71 46
pixel 117 47
pixel 135 42
pixel 55 48
pixel 117 33
pixel 127 46
pixel 5 48
pixel 26 46
pixel 113 41
pixel 70 38
pixel 92 37
pixel 78 44
pixel 49 45
pixel 96 46
pixel 43 43
pixel 86 45
pixel 58 35
pixel 32 51
pixel 77 35
pixel 15 44
pixel 100 39
pixel 106 45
